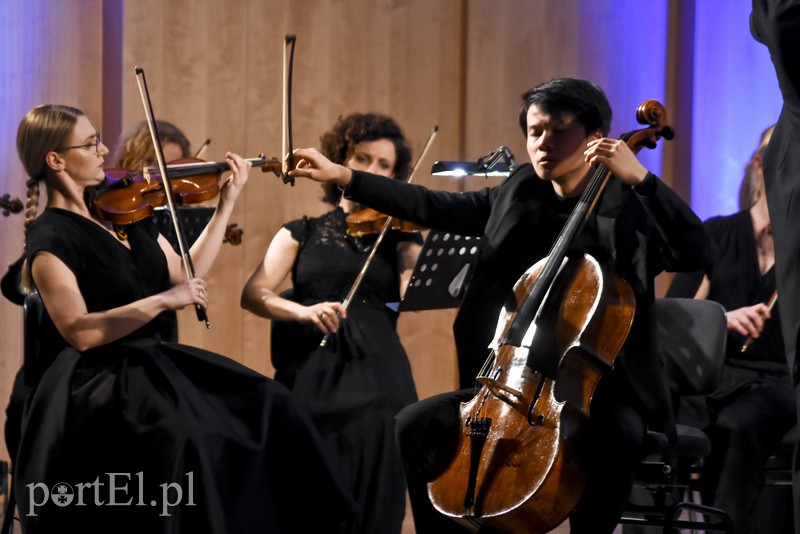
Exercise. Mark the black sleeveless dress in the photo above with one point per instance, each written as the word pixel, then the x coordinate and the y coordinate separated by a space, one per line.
pixel 143 435
pixel 355 386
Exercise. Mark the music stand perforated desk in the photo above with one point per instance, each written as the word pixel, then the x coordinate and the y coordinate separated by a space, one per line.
pixel 194 219
pixel 442 272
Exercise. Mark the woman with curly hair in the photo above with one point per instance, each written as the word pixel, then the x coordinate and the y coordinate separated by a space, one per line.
pixel 355 385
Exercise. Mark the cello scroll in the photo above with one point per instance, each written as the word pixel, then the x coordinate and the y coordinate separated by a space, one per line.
pixel 653 114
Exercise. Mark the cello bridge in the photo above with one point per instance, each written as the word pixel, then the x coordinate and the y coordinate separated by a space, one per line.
pixel 502 391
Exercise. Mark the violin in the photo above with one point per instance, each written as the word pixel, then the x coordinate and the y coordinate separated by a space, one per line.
pixel 126 196
pixel 10 205
pixel 369 221
pixel 518 466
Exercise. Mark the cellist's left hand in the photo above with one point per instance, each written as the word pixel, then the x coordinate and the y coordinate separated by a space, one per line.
pixel 618 157
pixel 233 185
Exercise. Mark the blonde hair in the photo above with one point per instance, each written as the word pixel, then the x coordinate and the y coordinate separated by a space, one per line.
pixel 752 186
pixel 135 147
pixel 42 130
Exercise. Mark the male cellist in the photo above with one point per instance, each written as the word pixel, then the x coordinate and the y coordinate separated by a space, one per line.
pixel 639 228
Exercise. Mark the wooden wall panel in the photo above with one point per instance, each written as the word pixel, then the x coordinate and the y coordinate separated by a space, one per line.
pixel 214 69
pixel 219 76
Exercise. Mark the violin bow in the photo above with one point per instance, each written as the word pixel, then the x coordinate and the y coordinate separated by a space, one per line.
pixel 770 304
pixel 388 224
pixel 188 266
pixel 286 122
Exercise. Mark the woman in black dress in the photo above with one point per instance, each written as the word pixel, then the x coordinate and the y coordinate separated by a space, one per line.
pixel 135 149
pixel 128 433
pixel 753 408
pixel 355 385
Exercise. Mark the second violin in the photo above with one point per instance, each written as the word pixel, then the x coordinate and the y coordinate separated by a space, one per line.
pixel 369 221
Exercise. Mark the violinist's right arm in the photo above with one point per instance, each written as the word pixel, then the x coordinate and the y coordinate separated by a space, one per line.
pixel 260 292
pixel 83 330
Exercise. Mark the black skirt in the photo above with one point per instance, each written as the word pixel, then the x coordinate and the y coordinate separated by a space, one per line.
pixel 154 437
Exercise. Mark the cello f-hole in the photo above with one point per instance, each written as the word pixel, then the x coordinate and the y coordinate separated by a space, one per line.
pixel 535 420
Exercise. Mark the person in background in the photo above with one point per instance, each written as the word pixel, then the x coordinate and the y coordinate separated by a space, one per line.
pixel 355 385
pixel 753 408
pixel 119 415
pixel 639 228
pixel 135 147
pixel 776 24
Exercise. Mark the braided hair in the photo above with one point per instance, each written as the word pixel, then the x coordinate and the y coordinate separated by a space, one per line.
pixel 42 130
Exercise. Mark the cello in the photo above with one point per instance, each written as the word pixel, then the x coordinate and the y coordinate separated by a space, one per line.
pixel 517 466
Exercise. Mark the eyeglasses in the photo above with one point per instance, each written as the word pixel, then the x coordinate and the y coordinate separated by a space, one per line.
pixel 87 146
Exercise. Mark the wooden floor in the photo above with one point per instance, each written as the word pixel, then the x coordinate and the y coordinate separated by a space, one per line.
pixel 408 524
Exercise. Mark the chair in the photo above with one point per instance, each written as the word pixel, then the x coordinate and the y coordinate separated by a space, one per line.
pixel 690 338
pixel 33 316
pixel 775 506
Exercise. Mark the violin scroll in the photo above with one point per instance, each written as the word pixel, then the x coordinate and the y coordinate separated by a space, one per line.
pixel 271 165
pixel 10 205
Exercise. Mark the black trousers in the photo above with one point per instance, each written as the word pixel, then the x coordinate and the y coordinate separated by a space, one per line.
pixel 748 418
pixel 427 435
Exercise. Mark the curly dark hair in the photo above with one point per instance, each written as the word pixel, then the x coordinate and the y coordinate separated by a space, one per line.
pixel 338 143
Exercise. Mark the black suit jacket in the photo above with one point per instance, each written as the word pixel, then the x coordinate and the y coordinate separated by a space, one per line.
pixel 634 234
pixel 776 23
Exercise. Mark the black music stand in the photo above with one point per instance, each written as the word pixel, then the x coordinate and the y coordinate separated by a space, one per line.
pixel 442 273
pixel 193 218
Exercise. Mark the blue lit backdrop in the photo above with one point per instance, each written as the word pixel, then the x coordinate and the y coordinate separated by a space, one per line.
pixel 736 97
pixel 627 40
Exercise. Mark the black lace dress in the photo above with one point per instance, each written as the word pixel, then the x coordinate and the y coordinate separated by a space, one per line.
pixel 355 385
pixel 147 436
